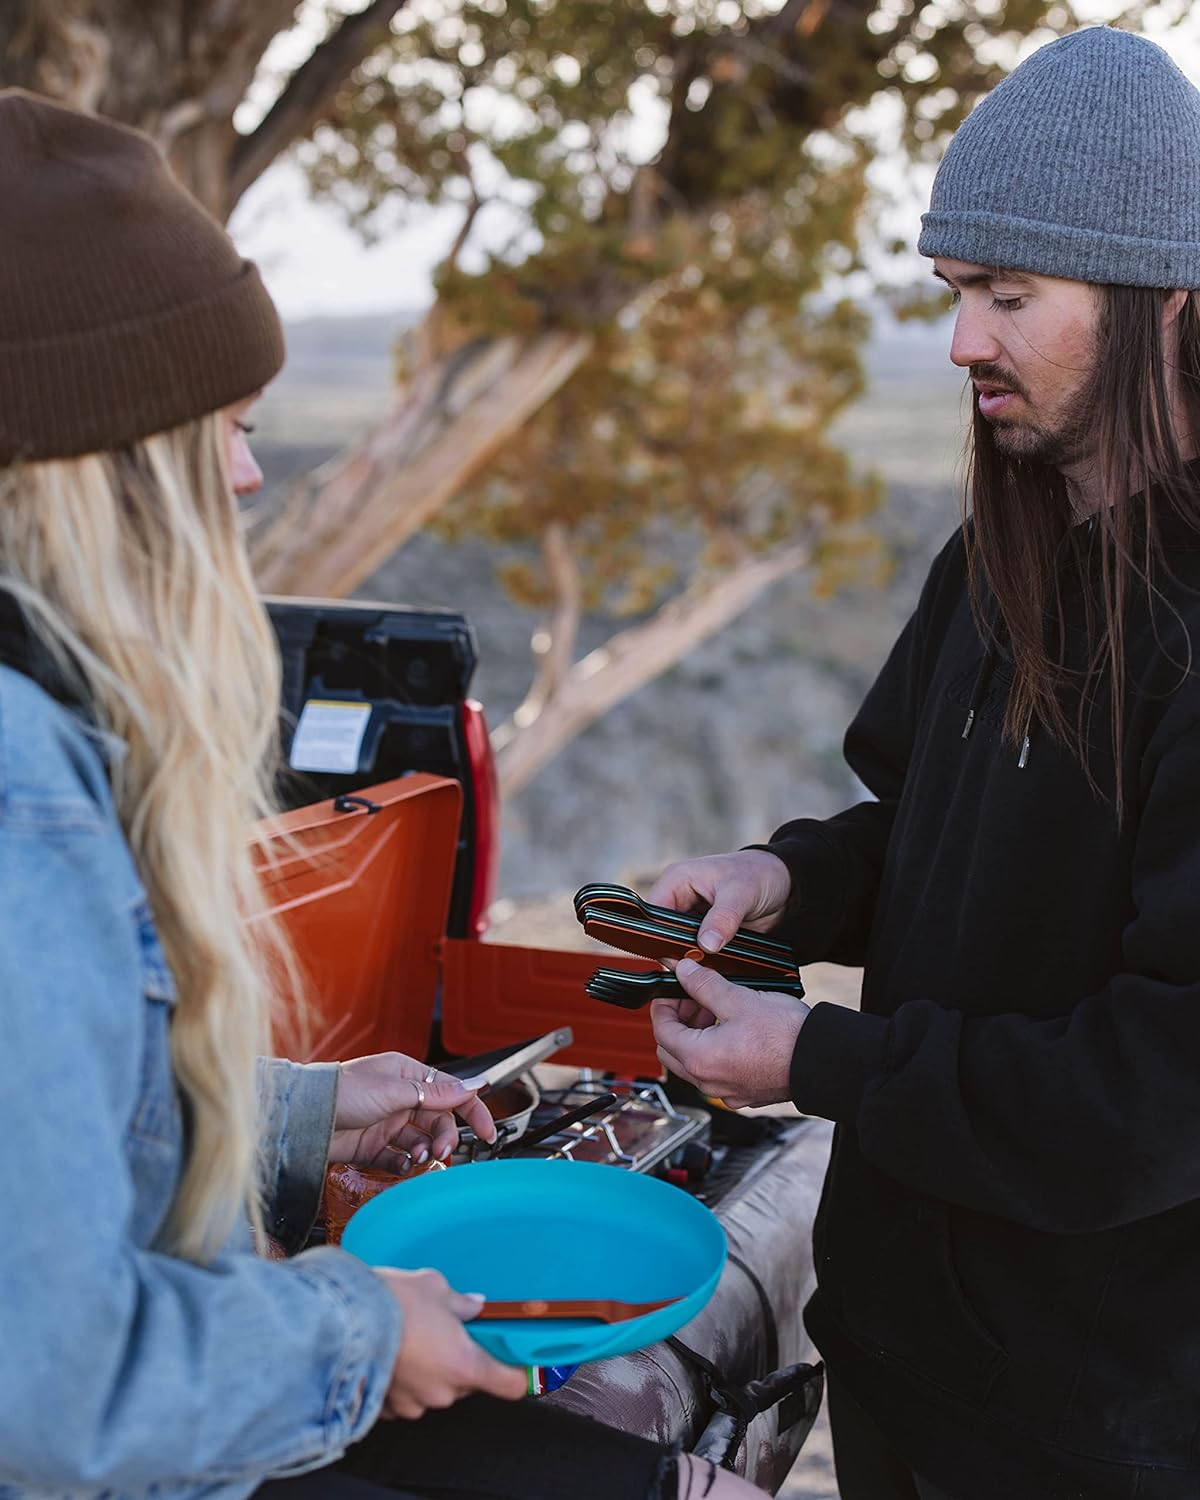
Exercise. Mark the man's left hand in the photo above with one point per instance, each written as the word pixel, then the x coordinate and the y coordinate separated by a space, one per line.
pixel 735 1044
pixel 383 1121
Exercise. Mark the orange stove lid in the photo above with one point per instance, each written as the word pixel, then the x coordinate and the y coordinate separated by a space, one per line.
pixel 494 994
pixel 361 885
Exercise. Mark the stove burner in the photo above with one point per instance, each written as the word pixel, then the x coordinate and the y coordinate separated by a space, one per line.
pixel 642 1132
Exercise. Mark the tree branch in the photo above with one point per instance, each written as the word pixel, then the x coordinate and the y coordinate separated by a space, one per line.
pixel 554 643
pixel 335 531
pixel 56 49
pixel 630 659
pixel 226 41
pixel 178 120
pixel 464 232
pixel 308 91
pixel 784 45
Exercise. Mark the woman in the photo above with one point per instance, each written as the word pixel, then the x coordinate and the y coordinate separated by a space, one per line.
pixel 147 1349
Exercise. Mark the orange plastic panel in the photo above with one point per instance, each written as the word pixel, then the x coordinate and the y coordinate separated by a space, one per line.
pixel 493 994
pixel 363 897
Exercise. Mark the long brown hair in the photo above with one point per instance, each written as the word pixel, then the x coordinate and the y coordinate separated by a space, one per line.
pixel 1023 515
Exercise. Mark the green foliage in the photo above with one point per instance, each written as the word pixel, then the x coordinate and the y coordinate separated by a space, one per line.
pixel 696 431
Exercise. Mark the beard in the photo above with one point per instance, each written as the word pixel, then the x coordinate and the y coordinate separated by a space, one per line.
pixel 1058 446
pixel 1066 437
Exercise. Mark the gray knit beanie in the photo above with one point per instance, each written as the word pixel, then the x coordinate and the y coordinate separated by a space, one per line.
pixel 1084 163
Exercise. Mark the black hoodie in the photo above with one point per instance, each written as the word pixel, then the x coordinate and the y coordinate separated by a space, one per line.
pixel 1008 1247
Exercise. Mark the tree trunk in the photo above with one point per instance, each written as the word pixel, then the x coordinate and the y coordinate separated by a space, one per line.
pixel 629 660
pixel 178 69
pixel 179 73
pixel 553 643
pixel 336 528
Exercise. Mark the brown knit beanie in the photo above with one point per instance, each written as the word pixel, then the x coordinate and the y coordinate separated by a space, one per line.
pixel 124 307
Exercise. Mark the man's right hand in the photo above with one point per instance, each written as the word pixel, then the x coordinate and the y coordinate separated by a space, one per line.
pixel 439 1362
pixel 746 889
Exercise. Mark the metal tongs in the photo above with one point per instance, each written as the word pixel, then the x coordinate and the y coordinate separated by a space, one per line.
pixel 512 1064
pixel 621 917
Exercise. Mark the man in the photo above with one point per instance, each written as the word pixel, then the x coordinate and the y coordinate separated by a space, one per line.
pixel 1008 1248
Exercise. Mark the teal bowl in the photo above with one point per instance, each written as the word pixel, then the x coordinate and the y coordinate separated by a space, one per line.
pixel 516 1230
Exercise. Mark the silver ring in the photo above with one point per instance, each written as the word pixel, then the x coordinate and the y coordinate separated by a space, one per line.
pixel 431 1075
pixel 420 1088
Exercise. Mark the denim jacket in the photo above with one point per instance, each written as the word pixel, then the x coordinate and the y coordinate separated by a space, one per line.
pixel 125 1371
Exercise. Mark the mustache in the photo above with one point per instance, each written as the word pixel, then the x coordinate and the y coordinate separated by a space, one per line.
pixel 996 375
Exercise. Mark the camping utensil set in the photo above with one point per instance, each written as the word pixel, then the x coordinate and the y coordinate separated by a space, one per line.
pixel 612 914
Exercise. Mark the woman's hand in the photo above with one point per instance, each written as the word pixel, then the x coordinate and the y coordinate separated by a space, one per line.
pixel 393 1110
pixel 439 1361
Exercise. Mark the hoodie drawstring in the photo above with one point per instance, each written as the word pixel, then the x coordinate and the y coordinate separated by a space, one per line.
pixel 983 679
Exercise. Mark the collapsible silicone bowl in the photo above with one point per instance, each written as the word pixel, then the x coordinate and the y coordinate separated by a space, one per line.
pixel 516 1230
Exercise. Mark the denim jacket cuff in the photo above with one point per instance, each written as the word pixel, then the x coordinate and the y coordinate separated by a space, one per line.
pixel 297 1106
pixel 371 1325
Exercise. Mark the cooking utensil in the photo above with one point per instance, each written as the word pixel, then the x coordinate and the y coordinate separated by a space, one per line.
pixel 510 1229
pixel 615 903
pixel 512 1105
pixel 619 916
pixel 510 1099
pixel 558 1124
pixel 632 991
pixel 603 1309
pixel 520 1061
pixel 671 940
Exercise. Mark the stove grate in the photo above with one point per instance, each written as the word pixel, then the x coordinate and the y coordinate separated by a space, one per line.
pixel 642 1131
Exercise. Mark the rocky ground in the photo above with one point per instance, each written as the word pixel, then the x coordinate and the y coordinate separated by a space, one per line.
pixel 812 1477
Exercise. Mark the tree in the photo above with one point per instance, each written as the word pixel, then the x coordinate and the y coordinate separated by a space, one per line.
pixel 655 352
pixel 179 69
pixel 685 464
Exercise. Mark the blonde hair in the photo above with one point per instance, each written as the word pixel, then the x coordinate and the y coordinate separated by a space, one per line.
pixel 130 566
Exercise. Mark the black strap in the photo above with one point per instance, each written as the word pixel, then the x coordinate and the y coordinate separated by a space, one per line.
pixel 741 1403
pixel 796 1389
pixel 770 1326
pixel 735 1400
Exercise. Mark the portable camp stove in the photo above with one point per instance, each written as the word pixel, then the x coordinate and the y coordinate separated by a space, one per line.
pixel 642 1132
